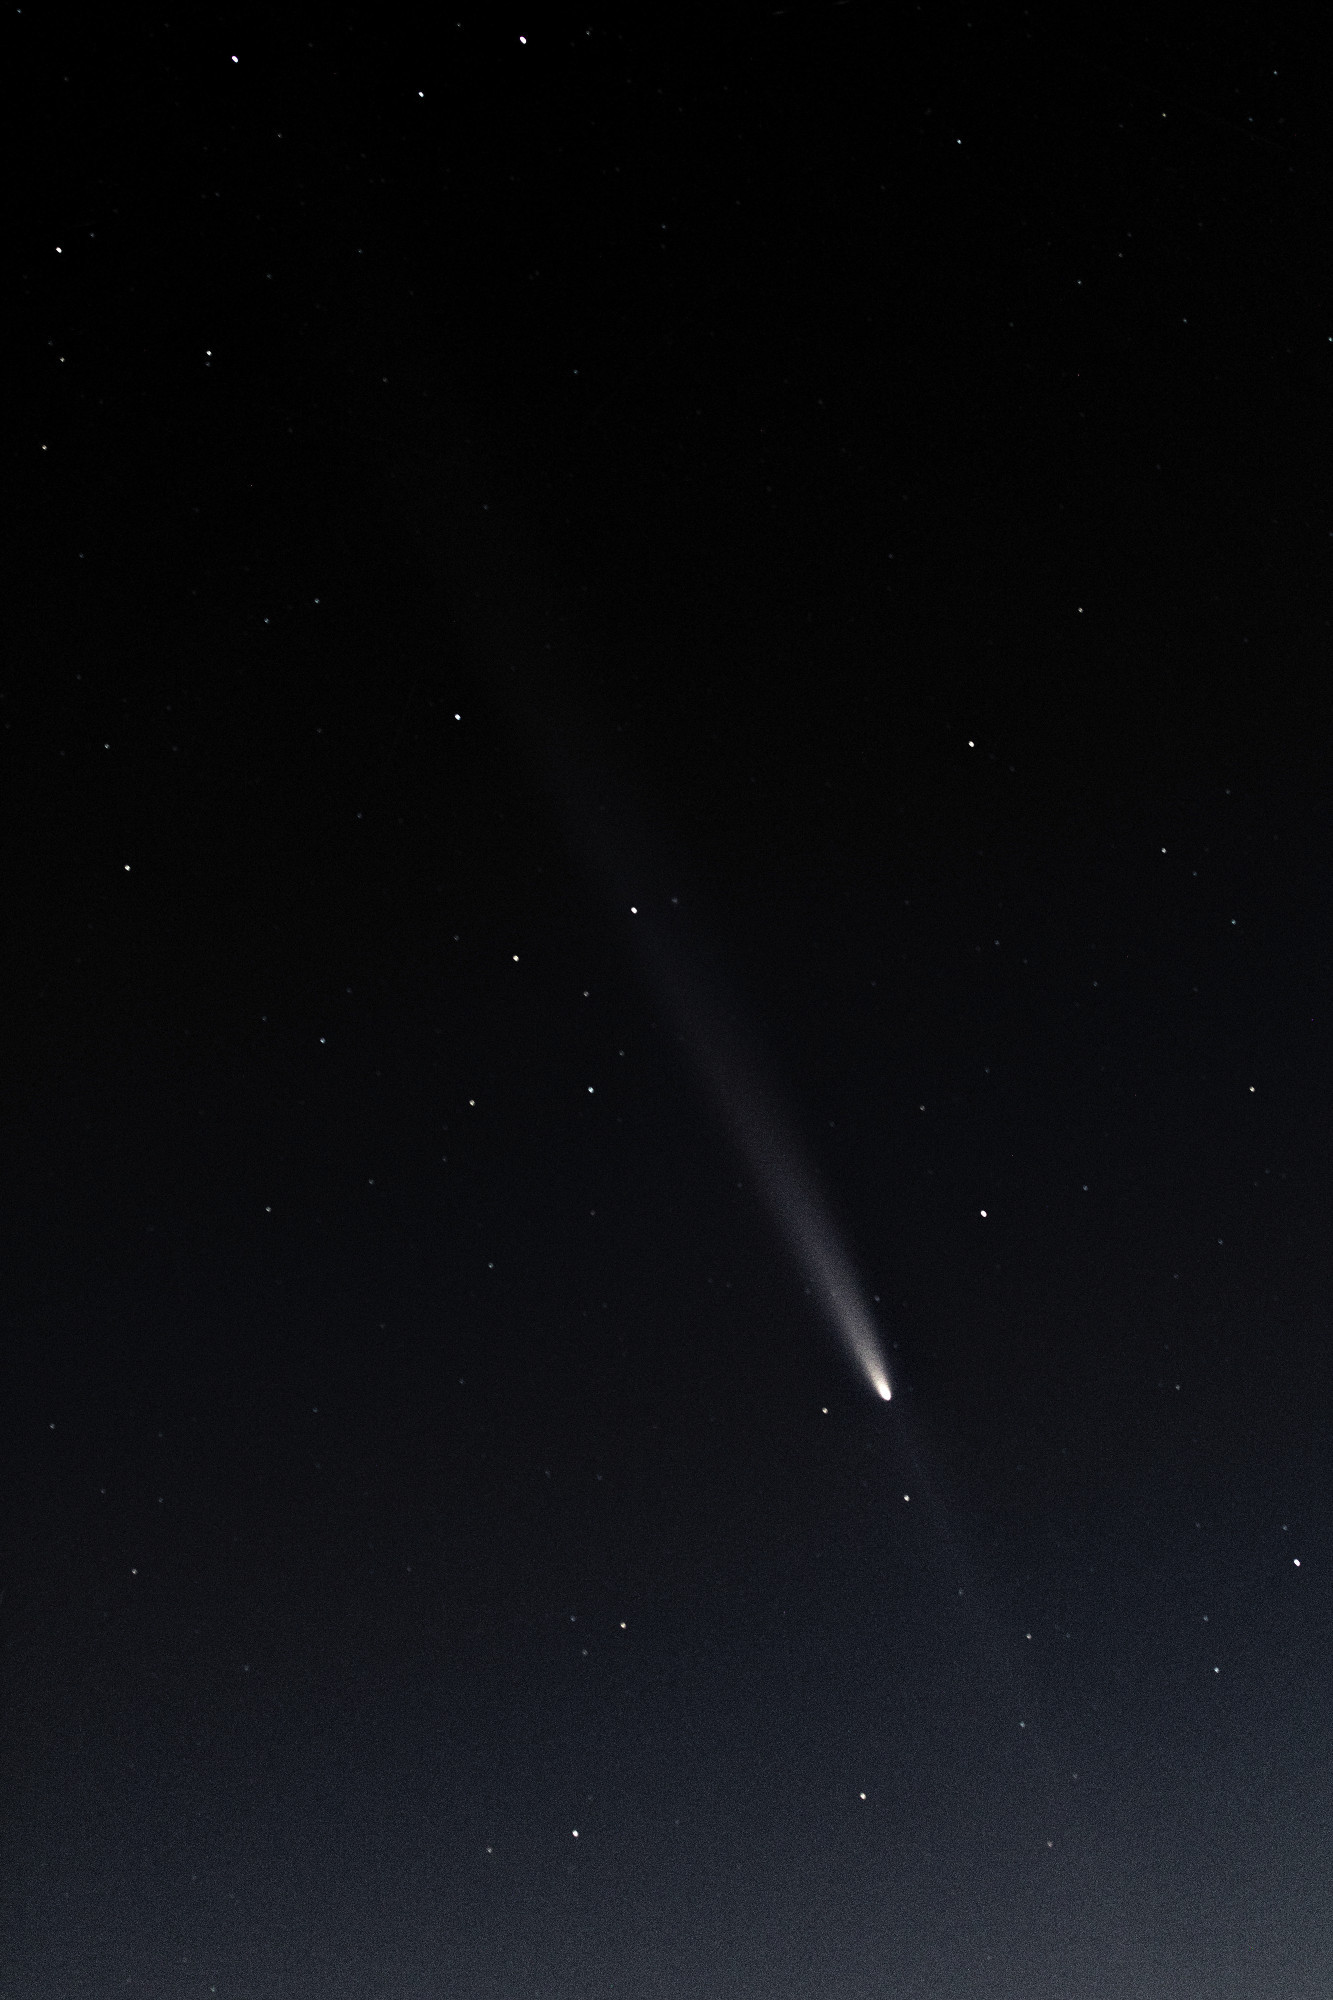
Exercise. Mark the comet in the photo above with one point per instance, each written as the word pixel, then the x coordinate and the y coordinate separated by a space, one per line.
pixel 488 560
pixel 611 835
pixel 728 1066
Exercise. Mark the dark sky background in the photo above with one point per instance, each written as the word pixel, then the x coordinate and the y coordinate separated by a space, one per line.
pixel 853 483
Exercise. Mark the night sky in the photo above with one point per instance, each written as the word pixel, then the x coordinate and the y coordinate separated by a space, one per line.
pixel 645 658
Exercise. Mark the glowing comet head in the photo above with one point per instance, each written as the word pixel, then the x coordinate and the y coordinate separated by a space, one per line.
pixel 866 1350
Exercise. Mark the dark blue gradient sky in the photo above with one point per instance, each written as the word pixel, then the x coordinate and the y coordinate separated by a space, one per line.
pixel 855 489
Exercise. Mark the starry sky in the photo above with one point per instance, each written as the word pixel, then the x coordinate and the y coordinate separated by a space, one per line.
pixel 628 645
